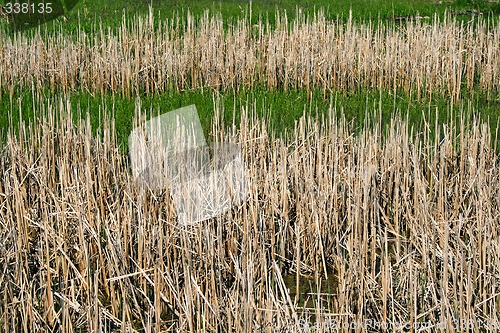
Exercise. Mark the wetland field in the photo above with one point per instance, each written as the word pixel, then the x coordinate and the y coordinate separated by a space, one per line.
pixel 369 138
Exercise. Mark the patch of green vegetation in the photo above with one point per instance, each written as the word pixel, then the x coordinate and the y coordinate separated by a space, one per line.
pixel 282 108
pixel 231 9
pixel 92 13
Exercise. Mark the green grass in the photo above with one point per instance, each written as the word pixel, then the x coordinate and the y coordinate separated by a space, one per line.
pixel 231 9
pixel 88 13
pixel 286 107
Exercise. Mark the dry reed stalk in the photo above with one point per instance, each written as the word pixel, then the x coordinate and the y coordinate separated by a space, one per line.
pixel 307 52
pixel 406 226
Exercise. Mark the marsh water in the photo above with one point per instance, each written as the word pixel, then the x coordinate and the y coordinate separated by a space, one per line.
pixel 312 293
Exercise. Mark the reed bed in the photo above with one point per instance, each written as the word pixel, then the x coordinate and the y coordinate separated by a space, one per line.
pixel 405 226
pixel 417 56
